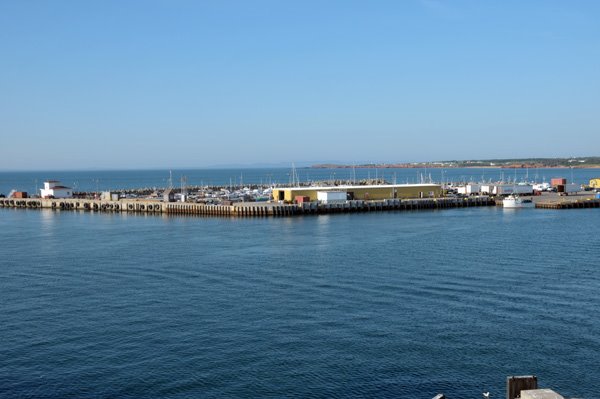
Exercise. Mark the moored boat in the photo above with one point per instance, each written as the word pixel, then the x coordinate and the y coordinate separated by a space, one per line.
pixel 514 201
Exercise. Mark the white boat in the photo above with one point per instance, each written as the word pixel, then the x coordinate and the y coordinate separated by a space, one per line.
pixel 514 201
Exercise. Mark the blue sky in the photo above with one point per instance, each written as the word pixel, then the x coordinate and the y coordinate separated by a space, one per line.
pixel 173 83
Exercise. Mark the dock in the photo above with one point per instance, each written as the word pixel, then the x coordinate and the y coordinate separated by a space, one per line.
pixel 243 209
pixel 578 201
pixel 581 200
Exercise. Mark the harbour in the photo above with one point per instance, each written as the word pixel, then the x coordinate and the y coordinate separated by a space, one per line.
pixel 299 200
pixel 365 191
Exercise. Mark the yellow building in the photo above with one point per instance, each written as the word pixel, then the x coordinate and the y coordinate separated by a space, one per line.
pixel 378 192
pixel 595 183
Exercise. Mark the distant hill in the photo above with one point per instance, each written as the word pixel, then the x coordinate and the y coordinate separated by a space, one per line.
pixel 577 162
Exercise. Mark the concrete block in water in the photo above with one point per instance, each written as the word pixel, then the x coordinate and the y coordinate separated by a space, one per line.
pixel 516 384
pixel 540 394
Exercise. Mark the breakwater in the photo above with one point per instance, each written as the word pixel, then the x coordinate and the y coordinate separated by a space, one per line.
pixel 242 209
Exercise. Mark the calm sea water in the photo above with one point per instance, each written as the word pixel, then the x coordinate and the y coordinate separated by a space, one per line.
pixel 398 305
pixel 112 180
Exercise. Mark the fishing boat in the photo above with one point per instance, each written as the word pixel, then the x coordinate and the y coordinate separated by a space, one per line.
pixel 514 201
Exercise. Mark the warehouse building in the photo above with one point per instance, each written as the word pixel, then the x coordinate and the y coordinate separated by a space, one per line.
pixel 374 192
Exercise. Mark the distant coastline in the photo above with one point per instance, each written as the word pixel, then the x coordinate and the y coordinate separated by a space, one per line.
pixel 546 163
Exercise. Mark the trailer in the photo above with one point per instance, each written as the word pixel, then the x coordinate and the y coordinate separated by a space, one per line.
pixel 509 189
pixel 469 189
pixel 567 189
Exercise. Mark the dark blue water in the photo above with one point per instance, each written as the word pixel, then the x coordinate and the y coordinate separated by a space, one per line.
pixel 114 180
pixel 398 305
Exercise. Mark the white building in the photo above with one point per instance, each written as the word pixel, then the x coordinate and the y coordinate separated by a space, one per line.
pixel 53 189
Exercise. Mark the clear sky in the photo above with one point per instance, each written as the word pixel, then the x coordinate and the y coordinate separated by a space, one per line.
pixel 173 83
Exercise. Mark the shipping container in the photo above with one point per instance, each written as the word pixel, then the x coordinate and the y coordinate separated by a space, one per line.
pixel 19 194
pixel 558 181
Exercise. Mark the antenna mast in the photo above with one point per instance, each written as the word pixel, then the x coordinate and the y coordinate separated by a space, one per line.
pixel 184 185
pixel 170 182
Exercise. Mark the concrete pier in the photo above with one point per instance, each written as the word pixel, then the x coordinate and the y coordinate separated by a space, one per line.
pixel 569 204
pixel 244 209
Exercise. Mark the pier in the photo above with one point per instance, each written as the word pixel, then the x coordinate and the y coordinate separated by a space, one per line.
pixel 580 200
pixel 578 204
pixel 242 209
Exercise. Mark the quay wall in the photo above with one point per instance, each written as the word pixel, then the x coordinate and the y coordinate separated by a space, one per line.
pixel 245 209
